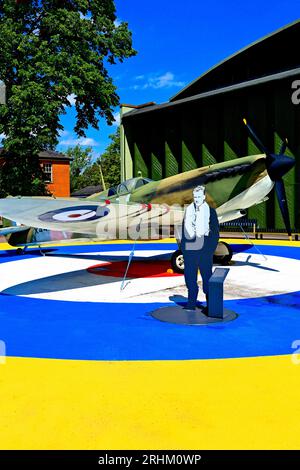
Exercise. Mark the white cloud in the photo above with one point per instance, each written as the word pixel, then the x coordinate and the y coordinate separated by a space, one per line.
pixel 117 22
pixel 167 80
pixel 72 99
pixel 117 119
pixel 83 141
pixel 88 141
pixel 140 77
pixel 64 133
pixel 69 139
pixel 2 136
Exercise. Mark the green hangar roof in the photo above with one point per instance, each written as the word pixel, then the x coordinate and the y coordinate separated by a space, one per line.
pixel 269 55
pixel 269 59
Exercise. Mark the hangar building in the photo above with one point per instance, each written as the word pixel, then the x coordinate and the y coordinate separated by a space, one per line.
pixel 202 124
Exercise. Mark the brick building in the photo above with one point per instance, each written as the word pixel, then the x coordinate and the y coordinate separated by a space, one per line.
pixel 56 167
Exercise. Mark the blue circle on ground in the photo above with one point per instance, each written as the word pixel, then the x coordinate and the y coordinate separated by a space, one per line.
pixel 40 328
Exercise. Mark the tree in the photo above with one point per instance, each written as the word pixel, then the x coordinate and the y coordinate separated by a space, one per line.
pixel 51 50
pixel 21 179
pixel 80 161
pixel 91 176
pixel 110 161
pixel 86 173
pixel 83 172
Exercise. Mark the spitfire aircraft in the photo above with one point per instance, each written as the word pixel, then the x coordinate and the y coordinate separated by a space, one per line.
pixel 145 209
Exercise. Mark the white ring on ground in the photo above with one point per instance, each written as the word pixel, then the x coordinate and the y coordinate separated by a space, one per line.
pixel 62 278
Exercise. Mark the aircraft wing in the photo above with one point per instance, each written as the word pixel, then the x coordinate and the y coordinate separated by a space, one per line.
pixel 9 230
pixel 99 219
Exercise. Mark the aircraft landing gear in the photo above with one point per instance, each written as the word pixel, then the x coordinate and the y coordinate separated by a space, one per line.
pixel 222 255
pixel 177 262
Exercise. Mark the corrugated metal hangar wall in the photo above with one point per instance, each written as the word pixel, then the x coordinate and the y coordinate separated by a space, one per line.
pixel 200 127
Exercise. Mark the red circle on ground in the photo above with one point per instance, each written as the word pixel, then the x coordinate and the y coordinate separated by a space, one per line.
pixel 136 269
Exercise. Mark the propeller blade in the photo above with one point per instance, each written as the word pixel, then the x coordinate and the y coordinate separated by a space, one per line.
pixel 283 146
pixel 281 197
pixel 257 140
pixel 279 166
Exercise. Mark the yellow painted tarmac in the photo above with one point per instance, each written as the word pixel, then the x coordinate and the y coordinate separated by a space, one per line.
pixel 250 403
pixel 236 241
pixel 247 403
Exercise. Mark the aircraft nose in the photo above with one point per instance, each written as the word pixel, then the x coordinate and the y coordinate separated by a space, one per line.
pixel 279 166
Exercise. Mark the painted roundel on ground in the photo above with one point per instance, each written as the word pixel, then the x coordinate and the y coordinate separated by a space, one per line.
pixel 75 214
pixel 97 317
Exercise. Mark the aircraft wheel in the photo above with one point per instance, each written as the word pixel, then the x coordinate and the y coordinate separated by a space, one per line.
pixel 223 254
pixel 177 262
pixel 19 251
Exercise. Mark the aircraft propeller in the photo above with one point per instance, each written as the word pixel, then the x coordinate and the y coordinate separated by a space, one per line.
pixel 277 166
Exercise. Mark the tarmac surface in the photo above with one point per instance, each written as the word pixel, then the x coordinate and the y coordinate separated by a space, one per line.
pixel 85 365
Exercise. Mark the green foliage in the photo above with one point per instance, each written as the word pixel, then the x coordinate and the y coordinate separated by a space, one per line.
pixel 50 50
pixel 81 159
pixel 110 161
pixel 91 176
pixel 85 173
pixel 25 180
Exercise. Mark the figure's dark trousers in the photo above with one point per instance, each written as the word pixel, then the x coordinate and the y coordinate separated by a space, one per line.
pixel 194 260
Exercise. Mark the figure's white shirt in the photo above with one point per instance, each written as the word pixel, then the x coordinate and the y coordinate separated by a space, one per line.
pixel 196 220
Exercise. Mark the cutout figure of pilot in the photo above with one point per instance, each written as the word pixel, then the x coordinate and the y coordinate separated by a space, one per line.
pixel 200 235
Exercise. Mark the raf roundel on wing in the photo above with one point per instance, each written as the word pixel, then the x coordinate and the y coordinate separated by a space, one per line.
pixel 75 214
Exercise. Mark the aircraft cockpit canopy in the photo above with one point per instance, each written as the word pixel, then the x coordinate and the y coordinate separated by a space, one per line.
pixel 128 186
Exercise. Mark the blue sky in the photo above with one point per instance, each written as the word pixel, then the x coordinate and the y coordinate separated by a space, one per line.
pixel 177 41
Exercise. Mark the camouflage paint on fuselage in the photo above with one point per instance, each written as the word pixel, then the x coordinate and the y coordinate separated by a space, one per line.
pixel 223 181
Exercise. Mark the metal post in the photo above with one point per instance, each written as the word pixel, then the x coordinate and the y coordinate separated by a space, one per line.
pixel 215 293
pixel 102 179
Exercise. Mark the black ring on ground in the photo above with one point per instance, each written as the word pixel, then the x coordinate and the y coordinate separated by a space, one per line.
pixel 178 315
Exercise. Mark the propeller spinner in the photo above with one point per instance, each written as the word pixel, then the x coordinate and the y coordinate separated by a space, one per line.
pixel 277 166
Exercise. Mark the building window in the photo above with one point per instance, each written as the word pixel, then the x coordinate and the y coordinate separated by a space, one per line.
pixel 48 172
